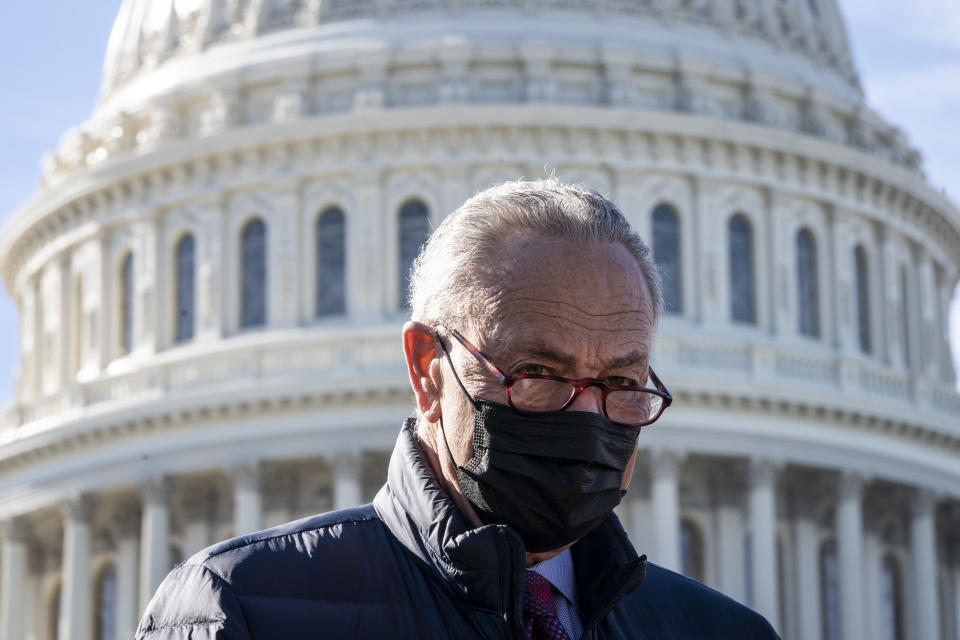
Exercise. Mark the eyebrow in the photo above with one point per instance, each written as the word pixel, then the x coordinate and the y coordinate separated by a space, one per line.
pixel 543 350
pixel 626 360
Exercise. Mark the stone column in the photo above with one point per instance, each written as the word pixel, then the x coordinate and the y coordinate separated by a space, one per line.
pixel 347 480
pixel 210 314
pixel 76 604
pixel 808 574
pixel 13 579
pixel 368 250
pixel 665 495
pixel 730 549
pixel 763 536
pixel 128 550
pixel 154 539
pixel 246 498
pixel 145 272
pixel 850 555
pixel 282 304
pixel 923 550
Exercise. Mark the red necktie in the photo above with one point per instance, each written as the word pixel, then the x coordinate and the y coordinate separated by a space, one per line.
pixel 539 616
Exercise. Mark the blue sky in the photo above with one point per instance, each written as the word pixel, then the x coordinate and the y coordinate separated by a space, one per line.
pixel 908 55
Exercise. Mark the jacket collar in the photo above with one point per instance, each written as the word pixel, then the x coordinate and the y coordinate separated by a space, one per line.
pixel 485 565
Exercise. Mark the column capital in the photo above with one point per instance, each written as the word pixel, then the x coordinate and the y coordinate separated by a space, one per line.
pixel 923 503
pixel 347 463
pixel 154 490
pixel 666 463
pixel 196 502
pixel 15 530
pixel 126 522
pixel 764 471
pixel 77 509
pixel 246 475
pixel 850 485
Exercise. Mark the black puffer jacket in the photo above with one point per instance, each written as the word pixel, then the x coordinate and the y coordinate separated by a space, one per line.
pixel 411 566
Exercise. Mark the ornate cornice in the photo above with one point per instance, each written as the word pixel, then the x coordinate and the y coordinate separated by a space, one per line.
pixel 203 170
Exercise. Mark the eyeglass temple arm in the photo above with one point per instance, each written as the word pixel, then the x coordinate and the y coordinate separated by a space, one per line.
pixel 492 368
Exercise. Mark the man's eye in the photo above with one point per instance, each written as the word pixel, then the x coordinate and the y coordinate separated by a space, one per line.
pixel 621 381
pixel 532 370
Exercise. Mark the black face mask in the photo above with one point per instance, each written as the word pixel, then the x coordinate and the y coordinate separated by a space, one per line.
pixel 552 476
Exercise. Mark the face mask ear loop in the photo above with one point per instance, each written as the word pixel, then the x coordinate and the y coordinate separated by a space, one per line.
pixel 455 376
pixel 443 433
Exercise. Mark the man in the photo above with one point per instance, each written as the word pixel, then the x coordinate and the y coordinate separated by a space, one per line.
pixel 534 306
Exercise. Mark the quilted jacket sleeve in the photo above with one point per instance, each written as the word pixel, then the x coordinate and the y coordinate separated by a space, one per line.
pixel 193 603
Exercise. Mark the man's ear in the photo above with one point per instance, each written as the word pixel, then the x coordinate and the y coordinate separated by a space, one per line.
pixel 423 359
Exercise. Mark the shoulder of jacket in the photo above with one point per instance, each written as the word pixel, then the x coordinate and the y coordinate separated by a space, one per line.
pixel 674 588
pixel 192 597
pixel 316 523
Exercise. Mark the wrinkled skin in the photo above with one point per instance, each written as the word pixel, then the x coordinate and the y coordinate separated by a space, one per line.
pixel 572 310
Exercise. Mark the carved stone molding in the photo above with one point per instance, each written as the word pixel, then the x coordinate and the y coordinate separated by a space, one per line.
pixel 16 530
pixel 764 472
pixel 850 486
pixel 78 509
pixel 246 476
pixel 155 491
pixel 923 504
pixel 666 463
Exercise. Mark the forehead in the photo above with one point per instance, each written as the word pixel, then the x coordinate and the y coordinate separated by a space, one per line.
pixel 589 298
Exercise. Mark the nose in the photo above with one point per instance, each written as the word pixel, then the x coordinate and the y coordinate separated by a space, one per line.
pixel 588 399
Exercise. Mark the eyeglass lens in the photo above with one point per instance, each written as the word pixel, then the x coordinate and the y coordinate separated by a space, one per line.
pixel 630 407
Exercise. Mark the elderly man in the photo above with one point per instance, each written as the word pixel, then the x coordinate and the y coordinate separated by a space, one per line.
pixel 534 306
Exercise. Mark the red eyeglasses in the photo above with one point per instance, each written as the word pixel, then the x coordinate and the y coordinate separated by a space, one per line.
pixel 624 405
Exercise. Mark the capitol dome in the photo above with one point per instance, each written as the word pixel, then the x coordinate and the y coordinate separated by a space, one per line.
pixel 211 282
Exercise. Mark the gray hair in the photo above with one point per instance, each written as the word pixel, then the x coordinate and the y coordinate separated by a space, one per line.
pixel 453 265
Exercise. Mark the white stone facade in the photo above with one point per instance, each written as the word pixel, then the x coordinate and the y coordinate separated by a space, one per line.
pixel 796 472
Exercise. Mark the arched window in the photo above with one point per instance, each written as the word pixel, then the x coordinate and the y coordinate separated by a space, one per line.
pixel 666 249
pixel 862 276
pixel 829 591
pixel 253 274
pixel 891 591
pixel 939 342
pixel 106 611
pixel 905 317
pixel 414 229
pixel 808 307
pixel 79 322
pixel 742 305
pixel 185 252
pixel 691 550
pixel 126 304
pixel 331 263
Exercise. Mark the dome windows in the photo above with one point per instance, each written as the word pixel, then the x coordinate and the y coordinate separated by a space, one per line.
pixel 808 299
pixel 126 304
pixel 185 268
pixel 666 249
pixel 330 263
pixel 414 227
pixel 253 274
pixel 740 249
pixel 862 284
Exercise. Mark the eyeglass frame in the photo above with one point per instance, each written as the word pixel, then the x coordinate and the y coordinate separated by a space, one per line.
pixel 580 385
